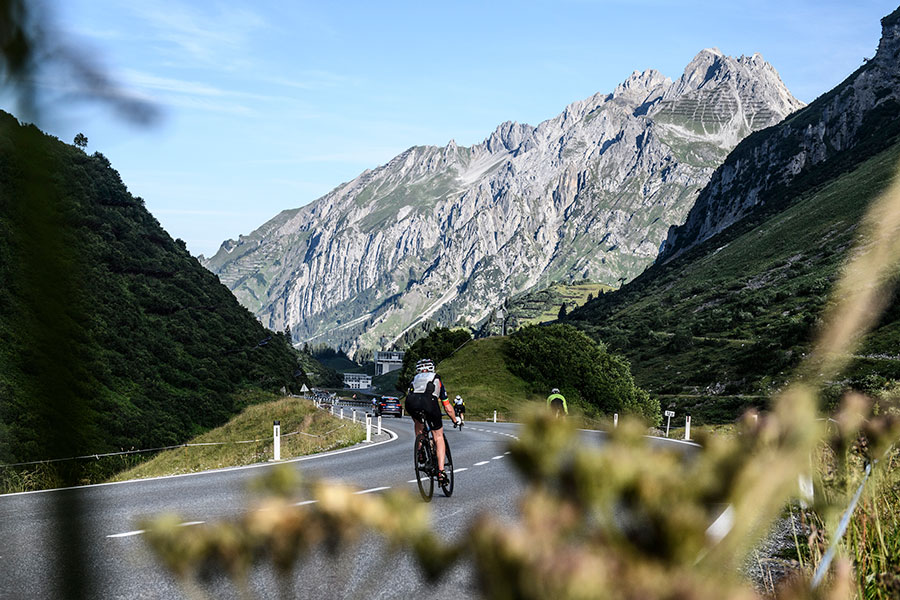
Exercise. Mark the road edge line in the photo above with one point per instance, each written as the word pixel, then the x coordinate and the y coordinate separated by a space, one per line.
pixel 359 446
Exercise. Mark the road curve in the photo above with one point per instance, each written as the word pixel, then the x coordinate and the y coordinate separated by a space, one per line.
pixel 119 565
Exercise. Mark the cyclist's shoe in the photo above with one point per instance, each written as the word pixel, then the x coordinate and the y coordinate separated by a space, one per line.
pixel 442 478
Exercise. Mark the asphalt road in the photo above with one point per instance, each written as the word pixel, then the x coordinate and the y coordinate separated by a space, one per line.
pixel 118 563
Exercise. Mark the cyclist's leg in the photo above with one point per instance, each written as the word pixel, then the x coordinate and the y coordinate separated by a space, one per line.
pixel 433 414
pixel 439 446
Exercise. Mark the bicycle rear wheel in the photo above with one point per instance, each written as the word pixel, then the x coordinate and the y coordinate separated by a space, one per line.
pixel 424 461
pixel 447 487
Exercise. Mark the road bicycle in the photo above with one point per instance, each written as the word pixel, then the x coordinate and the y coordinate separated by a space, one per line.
pixel 426 463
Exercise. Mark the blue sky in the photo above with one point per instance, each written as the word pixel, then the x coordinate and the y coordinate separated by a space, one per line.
pixel 268 105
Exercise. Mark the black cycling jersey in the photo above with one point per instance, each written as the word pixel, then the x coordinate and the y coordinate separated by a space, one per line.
pixel 423 398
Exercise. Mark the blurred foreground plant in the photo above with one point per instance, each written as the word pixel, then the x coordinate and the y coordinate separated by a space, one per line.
pixel 624 520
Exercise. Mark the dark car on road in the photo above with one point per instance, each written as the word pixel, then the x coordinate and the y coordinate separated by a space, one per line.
pixel 389 405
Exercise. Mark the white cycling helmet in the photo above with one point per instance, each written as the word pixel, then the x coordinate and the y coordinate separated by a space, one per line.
pixel 554 391
pixel 458 397
pixel 425 365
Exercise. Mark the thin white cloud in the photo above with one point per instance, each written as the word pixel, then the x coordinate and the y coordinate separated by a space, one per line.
pixel 204 36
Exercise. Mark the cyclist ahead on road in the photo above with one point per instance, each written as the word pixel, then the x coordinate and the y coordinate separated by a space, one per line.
pixel 459 407
pixel 422 403
pixel 557 403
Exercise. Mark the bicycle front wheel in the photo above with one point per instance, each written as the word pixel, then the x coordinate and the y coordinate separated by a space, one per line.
pixel 424 463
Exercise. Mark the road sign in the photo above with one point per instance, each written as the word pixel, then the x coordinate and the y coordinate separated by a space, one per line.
pixel 669 413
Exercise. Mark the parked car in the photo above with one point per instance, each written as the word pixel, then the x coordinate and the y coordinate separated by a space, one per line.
pixel 389 405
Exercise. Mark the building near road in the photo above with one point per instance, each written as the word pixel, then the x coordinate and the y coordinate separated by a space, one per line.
pixel 357 381
pixel 385 362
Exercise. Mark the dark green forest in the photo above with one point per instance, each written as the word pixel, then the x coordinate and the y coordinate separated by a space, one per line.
pixel 111 334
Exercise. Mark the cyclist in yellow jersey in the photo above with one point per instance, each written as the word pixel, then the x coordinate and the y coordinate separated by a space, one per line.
pixel 422 403
pixel 556 402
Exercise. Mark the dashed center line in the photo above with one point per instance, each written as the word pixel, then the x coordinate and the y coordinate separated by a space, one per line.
pixel 461 469
pixel 478 464
pixel 140 531
pixel 497 457
pixel 126 534
pixel 370 490
pixel 305 502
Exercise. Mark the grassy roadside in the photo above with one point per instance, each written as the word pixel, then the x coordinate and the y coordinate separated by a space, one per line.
pixel 478 373
pixel 320 432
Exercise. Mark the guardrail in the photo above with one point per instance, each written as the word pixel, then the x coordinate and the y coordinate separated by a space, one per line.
pixel 99 455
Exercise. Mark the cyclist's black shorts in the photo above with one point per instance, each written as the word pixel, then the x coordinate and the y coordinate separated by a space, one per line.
pixel 424 407
pixel 460 409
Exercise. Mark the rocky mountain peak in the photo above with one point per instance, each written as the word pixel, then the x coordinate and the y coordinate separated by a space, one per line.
pixel 701 69
pixel 641 83
pixel 845 121
pixel 508 137
pixel 888 53
pixel 446 234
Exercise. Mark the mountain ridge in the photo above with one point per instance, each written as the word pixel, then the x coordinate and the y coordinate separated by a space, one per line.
pixel 449 232
pixel 718 322
pixel 867 99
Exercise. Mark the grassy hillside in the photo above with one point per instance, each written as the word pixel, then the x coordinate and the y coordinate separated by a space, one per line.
pixel 111 334
pixel 320 432
pixel 541 306
pixel 721 327
pixel 478 373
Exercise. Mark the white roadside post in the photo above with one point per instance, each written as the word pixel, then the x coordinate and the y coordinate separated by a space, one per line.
pixel 342 413
pixel 332 410
pixel 379 424
pixel 687 427
pixel 368 428
pixel 277 441
pixel 495 416
pixel 669 414
pixel 616 420
pixel 354 415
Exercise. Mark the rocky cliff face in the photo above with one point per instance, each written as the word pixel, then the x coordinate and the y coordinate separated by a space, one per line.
pixel 810 147
pixel 449 233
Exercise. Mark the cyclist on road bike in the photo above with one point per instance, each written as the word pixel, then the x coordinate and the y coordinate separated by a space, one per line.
pixel 556 402
pixel 425 393
pixel 459 406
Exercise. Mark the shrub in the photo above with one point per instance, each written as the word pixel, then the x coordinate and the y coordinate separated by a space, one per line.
pixel 565 357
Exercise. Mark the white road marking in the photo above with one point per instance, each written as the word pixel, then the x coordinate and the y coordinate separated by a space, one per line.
pixel 126 534
pixel 369 491
pixel 497 457
pixel 360 446
pixel 478 464
pixel 461 469
pixel 507 452
pixel 305 502
pixel 140 531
